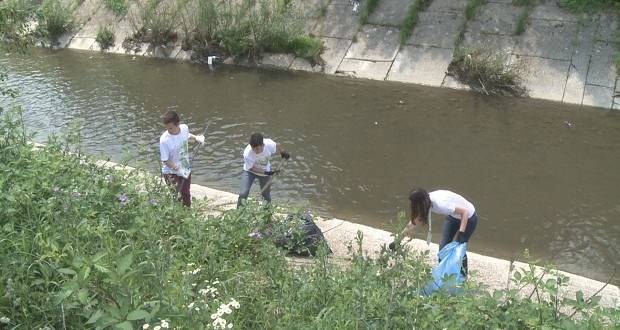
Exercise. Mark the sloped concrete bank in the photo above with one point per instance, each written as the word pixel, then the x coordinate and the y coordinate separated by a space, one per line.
pixel 569 58
pixel 495 273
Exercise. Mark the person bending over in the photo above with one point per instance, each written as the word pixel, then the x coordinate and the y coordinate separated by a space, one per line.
pixel 460 216
pixel 256 166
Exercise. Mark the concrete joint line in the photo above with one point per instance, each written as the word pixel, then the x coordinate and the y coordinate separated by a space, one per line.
pixel 544 58
pixel 366 60
pixel 429 46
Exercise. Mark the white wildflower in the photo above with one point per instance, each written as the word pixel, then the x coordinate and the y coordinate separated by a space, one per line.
pixel 145 326
pixel 164 324
pixel 203 292
pixel 214 316
pixel 226 309
pixel 234 304
pixel 230 325
pixel 193 284
pixel 196 271
pixel 219 323
pixel 157 327
pixel 5 320
pixel 190 264
pixel 197 309
pixel 190 306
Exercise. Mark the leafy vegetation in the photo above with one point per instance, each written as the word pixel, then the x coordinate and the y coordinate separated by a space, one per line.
pixel 411 19
pixel 368 6
pixel 486 71
pixel 14 18
pixel 118 7
pixel 472 8
pixel 87 246
pixel 105 37
pixel 55 18
pixel 250 28
pixel 589 5
pixel 524 15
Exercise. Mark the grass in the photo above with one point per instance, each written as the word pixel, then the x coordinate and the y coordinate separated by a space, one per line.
pixel 588 6
pixel 55 18
pixel 486 71
pixel 368 6
pixel 105 37
pixel 410 21
pixel 524 15
pixel 85 246
pixel 249 29
pixel 472 8
pixel 118 7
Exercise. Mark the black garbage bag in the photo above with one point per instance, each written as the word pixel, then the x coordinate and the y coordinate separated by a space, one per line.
pixel 299 235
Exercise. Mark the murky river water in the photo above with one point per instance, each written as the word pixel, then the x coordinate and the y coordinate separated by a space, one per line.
pixel 543 176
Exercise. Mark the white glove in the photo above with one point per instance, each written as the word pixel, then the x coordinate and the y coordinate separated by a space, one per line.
pixel 200 139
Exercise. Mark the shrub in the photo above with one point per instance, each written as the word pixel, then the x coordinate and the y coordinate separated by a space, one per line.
pixel 486 71
pixel 118 7
pixel 54 20
pixel 105 37
pixel 15 16
pixel 156 24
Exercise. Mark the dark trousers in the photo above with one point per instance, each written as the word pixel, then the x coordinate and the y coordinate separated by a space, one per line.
pixel 451 226
pixel 247 179
pixel 181 186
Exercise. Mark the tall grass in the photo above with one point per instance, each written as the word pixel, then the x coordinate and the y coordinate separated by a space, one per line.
pixel 589 5
pixel 472 8
pixel 368 6
pixel 55 18
pixel 249 28
pixel 118 7
pixel 487 71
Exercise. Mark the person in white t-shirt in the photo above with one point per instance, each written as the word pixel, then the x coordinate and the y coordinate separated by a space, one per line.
pixel 174 155
pixel 460 216
pixel 256 165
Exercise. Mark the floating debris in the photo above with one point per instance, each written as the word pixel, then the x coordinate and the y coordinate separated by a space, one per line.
pixel 568 124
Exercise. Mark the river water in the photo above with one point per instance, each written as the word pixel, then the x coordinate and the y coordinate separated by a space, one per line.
pixel 543 176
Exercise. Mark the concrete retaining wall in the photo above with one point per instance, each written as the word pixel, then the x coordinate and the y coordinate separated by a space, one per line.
pixel 569 58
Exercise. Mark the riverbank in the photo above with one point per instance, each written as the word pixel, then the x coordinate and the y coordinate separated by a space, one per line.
pixel 92 243
pixel 341 235
pixel 567 57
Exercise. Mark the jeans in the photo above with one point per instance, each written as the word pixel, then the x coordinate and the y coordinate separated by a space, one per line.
pixel 451 226
pixel 181 185
pixel 247 179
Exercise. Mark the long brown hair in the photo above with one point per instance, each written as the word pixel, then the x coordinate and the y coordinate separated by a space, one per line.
pixel 420 204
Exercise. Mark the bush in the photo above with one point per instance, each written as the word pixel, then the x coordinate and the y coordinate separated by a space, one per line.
pixel 248 28
pixel 15 16
pixel 156 25
pixel 486 71
pixel 105 37
pixel 118 7
pixel 54 20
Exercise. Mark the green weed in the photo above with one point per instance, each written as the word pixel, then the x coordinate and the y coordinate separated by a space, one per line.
pixel 589 6
pixel 118 7
pixel 55 18
pixel 486 71
pixel 368 6
pixel 105 37
pixel 472 8
pixel 410 21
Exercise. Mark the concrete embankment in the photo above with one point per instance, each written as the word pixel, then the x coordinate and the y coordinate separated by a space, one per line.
pixel 568 57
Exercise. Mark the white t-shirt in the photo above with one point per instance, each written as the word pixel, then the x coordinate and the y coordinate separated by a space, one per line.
pixel 175 148
pixel 445 202
pixel 251 159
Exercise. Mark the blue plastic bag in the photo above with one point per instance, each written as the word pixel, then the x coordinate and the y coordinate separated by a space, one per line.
pixel 447 274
